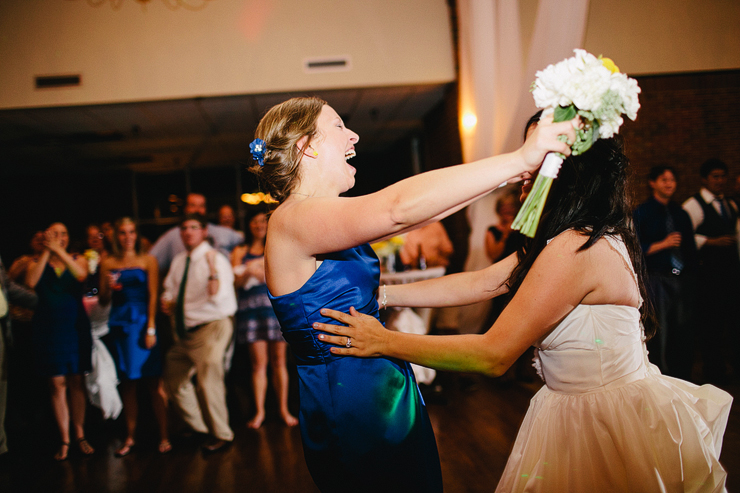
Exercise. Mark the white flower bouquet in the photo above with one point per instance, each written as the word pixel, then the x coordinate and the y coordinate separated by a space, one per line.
pixel 583 85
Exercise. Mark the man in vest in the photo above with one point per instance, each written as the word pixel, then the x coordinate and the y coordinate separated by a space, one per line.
pixel 715 221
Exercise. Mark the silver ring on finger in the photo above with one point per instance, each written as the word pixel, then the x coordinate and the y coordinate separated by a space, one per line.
pixel 349 342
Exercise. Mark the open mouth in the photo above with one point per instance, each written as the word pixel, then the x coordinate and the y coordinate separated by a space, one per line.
pixel 349 154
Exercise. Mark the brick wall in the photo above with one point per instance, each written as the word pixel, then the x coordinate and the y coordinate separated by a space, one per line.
pixel 684 120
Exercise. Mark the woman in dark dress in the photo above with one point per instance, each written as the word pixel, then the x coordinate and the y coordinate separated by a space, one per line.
pixel 363 422
pixel 61 332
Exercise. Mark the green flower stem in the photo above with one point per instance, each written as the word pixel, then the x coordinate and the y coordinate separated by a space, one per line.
pixel 528 218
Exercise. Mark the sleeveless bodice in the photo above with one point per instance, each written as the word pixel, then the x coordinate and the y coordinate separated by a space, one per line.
pixel 594 347
pixel 131 303
pixel 360 417
pixel 344 279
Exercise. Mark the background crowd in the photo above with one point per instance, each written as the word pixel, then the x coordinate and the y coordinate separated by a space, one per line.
pixel 188 315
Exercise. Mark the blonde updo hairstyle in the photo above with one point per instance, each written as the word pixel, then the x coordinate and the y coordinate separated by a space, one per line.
pixel 281 128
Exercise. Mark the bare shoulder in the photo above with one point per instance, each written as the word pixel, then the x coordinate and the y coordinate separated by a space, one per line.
pixel 565 246
pixel 289 224
pixel 288 259
pixel 568 244
pixel 151 261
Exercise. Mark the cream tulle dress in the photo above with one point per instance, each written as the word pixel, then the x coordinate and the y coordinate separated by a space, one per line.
pixel 608 420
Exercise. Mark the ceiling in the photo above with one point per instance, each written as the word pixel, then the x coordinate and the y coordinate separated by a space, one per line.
pixel 162 136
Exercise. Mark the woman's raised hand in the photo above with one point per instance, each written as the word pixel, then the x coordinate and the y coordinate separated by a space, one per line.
pixel 367 336
pixel 544 139
pixel 52 240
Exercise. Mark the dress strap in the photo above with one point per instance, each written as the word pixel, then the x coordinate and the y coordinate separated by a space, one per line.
pixel 618 245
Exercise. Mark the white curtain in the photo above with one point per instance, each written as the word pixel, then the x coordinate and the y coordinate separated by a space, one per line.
pixel 495 77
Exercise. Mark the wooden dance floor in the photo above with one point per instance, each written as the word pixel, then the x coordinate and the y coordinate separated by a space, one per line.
pixel 475 430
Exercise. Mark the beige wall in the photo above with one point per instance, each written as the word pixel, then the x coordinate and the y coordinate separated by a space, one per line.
pixel 663 36
pixel 228 47
pixel 658 36
pixel 259 46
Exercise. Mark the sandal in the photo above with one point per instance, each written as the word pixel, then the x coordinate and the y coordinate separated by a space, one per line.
pixel 85 446
pixel 165 446
pixel 59 456
pixel 125 449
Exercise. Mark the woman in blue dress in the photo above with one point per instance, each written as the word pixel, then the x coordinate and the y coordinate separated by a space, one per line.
pixel 363 421
pixel 61 333
pixel 128 280
pixel 256 324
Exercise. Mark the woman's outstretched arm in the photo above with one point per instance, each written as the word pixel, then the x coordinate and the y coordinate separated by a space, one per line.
pixel 328 224
pixel 560 279
pixel 464 288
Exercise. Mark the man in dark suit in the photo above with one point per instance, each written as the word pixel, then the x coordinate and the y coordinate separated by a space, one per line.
pixel 667 240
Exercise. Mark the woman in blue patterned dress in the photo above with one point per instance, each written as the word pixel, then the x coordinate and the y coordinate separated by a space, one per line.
pixel 256 323
pixel 363 421
pixel 128 280
pixel 61 333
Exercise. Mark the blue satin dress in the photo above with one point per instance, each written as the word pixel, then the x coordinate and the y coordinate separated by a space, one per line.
pixel 363 421
pixel 128 323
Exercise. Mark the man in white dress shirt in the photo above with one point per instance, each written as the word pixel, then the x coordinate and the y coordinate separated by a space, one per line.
pixel 170 244
pixel 714 218
pixel 199 293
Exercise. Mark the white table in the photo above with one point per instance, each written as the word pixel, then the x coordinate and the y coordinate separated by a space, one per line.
pixel 408 321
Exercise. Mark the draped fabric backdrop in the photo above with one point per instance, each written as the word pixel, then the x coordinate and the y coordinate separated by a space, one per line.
pixel 495 77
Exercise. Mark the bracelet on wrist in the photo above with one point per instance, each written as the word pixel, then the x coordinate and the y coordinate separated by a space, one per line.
pixel 213 277
pixel 151 331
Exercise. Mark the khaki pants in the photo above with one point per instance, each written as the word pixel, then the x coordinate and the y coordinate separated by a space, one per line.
pixel 201 353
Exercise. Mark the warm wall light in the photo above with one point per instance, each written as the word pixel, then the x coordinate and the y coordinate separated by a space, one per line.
pixel 256 198
pixel 469 121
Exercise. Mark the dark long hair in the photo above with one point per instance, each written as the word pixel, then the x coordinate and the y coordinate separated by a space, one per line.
pixel 589 196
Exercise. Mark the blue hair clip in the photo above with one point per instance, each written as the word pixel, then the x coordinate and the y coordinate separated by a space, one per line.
pixel 257 147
